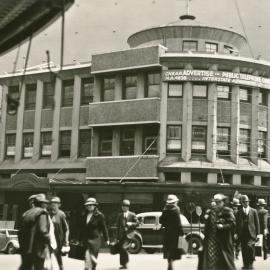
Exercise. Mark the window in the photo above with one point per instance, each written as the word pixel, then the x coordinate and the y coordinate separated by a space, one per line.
pixel 172 177
pixel 67 93
pixel 211 47
pixel 262 143
pixel 85 143
pixel 30 96
pixel 198 139
pixel 223 140
pixel 127 141
pixel 199 91
pixel 247 179
pixel 223 92
pixel 263 97
pixel 108 89
pixel 175 90
pixel 87 90
pixel 46 143
pixel 199 177
pixel 244 94
pixel 149 220
pixel 244 142
pixel 189 45
pixel 174 138
pixel 13 91
pixel 64 143
pixel 105 142
pixel 153 84
pixel 10 145
pixel 28 142
pixel 224 178
pixel 150 138
pixel 48 95
pixel 228 49
pixel 130 87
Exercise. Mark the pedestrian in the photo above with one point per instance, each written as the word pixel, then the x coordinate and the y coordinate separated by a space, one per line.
pixel 170 220
pixel 263 218
pixel 93 227
pixel 31 201
pixel 235 204
pixel 247 228
pixel 61 229
pixel 218 242
pixel 34 237
pixel 126 225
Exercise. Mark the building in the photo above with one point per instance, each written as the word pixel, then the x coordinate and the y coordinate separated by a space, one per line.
pixel 179 112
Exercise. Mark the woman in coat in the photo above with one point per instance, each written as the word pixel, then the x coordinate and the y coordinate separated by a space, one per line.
pixel 170 220
pixel 92 228
pixel 218 243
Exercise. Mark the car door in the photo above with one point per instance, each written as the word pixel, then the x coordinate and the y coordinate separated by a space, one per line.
pixel 3 239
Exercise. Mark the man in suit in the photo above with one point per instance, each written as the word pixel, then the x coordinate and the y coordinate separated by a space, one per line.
pixel 235 204
pixel 247 228
pixel 126 225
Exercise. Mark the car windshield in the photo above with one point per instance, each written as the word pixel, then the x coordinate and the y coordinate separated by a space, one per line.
pixel 12 233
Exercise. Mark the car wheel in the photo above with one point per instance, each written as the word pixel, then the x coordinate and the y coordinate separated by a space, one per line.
pixel 194 244
pixel 10 249
pixel 135 246
pixel 150 250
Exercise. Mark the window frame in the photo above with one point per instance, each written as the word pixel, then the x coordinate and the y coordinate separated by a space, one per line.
pixel 8 144
pixel 42 145
pixel 229 93
pixel 152 135
pixel 248 100
pixel 128 86
pixel 105 87
pixel 175 138
pixel 104 139
pixel 48 100
pixel 86 99
pixel 67 101
pixel 30 147
pixel 263 139
pixel 199 97
pixel 175 96
pixel 124 151
pixel 194 150
pixel 83 145
pixel 210 49
pixel 246 142
pixel 189 42
pixel 155 82
pixel 30 97
pixel 264 97
pixel 220 140
pixel 61 144
pixel 228 49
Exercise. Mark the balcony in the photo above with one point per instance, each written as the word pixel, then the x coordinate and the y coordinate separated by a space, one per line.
pixel 116 167
pixel 123 112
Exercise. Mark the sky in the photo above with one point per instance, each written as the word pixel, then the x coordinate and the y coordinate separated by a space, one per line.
pixel 97 26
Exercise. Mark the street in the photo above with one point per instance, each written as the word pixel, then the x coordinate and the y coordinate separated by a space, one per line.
pixel 140 261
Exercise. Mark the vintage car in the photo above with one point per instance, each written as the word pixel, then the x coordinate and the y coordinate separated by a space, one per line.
pixel 9 241
pixel 149 234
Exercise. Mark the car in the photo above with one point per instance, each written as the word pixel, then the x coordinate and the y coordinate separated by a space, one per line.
pixel 149 235
pixel 9 242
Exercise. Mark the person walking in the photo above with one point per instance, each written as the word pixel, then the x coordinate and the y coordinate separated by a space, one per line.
pixel 170 220
pixel 93 226
pixel 218 242
pixel 247 228
pixel 235 204
pixel 126 225
pixel 34 236
pixel 61 229
pixel 263 218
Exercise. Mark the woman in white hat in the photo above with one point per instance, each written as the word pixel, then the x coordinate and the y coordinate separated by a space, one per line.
pixel 93 227
pixel 170 220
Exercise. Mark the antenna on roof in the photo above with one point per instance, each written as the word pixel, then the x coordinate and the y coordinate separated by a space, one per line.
pixel 187 16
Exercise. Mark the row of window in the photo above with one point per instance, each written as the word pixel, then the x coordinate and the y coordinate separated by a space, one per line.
pixel 199 140
pixel 84 147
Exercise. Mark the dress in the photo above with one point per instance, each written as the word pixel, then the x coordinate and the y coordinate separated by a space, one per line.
pixel 218 244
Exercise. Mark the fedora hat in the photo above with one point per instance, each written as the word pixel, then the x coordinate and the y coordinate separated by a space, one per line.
pixel 172 199
pixel 244 198
pixel 126 202
pixel 32 197
pixel 91 201
pixel 235 201
pixel 261 202
pixel 55 200
pixel 41 198
pixel 219 197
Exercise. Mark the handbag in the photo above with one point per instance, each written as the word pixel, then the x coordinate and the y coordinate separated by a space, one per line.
pixel 114 248
pixel 182 244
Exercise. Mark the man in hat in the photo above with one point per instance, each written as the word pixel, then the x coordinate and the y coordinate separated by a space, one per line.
pixel 235 204
pixel 31 201
pixel 34 235
pixel 126 224
pixel 263 215
pixel 61 229
pixel 247 228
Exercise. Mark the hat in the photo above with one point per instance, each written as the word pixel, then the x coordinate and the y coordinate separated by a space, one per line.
pixel 126 202
pixel 91 201
pixel 32 197
pixel 41 198
pixel 261 202
pixel 219 197
pixel 55 200
pixel 172 199
pixel 235 201
pixel 244 198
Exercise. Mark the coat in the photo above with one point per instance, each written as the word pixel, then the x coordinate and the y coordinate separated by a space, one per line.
pixel 263 216
pixel 122 228
pixel 253 223
pixel 33 234
pixel 92 231
pixel 170 220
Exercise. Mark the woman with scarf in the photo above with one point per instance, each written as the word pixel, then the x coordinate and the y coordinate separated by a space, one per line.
pixel 170 220
pixel 93 226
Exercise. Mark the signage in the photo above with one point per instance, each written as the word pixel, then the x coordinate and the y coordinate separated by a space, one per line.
pixel 216 76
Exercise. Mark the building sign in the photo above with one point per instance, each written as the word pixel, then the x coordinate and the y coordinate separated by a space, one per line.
pixel 216 76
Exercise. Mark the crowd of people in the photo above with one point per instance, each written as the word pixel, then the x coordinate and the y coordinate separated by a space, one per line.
pixel 44 233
